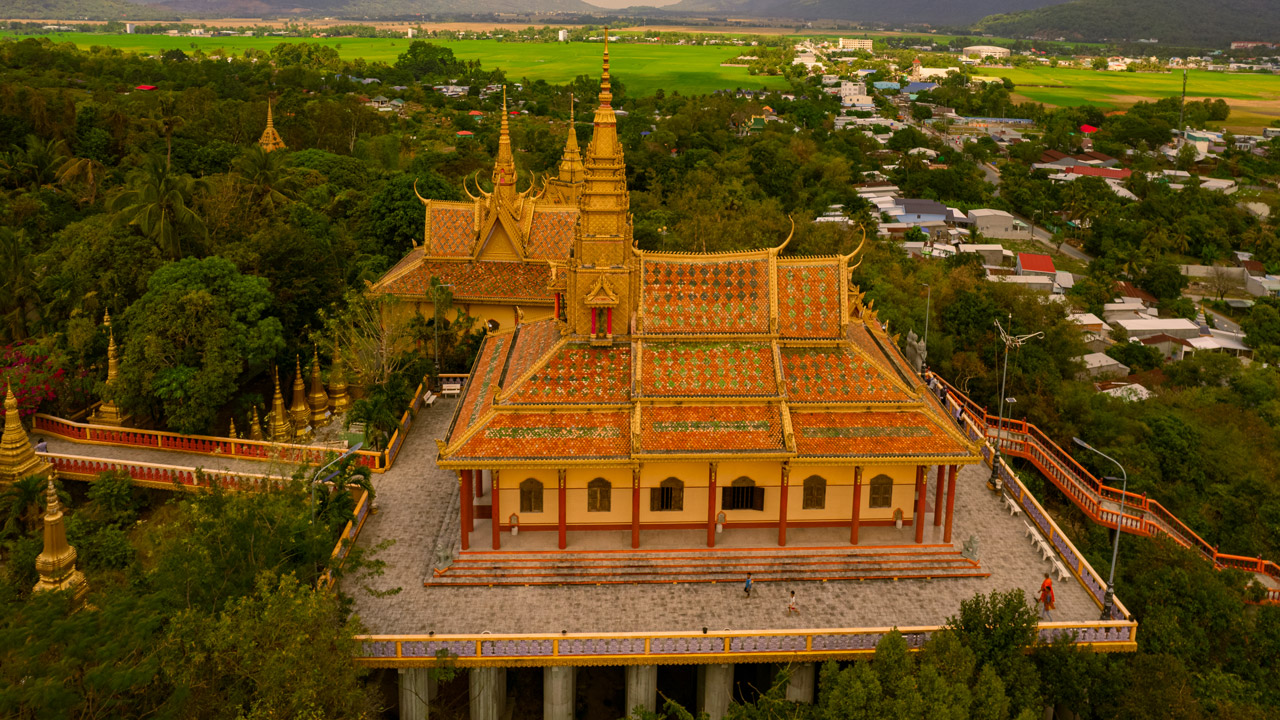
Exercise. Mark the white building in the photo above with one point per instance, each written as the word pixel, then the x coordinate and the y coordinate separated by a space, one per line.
pixel 986 51
pixel 563 36
pixel 997 224
pixel 856 44
pixel 129 28
pixel 1143 327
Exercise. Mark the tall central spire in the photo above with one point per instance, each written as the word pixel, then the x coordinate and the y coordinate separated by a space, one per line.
pixel 504 169
pixel 604 202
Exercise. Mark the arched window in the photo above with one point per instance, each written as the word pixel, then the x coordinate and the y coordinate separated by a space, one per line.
pixel 881 491
pixel 815 493
pixel 599 495
pixel 530 496
pixel 742 494
pixel 668 496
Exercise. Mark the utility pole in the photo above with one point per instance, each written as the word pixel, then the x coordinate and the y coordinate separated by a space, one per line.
pixel 1182 111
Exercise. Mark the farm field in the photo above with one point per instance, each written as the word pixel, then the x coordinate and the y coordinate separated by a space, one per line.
pixel 642 68
pixel 1254 99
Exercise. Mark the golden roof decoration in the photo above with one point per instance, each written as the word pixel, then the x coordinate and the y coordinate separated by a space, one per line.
pixel 17 457
pixel 56 563
pixel 270 140
pixel 280 426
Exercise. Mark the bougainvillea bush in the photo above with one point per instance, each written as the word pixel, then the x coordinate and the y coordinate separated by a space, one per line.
pixel 36 378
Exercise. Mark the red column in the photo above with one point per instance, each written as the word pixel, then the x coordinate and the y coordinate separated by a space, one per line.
pixel 468 501
pixel 635 508
pixel 464 487
pixel 951 502
pixel 497 514
pixel 564 540
pixel 937 496
pixel 557 311
pixel 593 321
pixel 918 520
pixel 711 505
pixel 609 319
pixel 857 506
pixel 479 482
pixel 782 505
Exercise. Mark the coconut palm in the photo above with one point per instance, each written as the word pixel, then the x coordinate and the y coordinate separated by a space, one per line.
pixel 21 504
pixel 36 163
pixel 166 121
pixel 20 301
pixel 82 171
pixel 158 202
pixel 267 176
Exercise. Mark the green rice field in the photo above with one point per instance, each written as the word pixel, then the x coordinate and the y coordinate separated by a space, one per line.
pixel 1254 99
pixel 689 69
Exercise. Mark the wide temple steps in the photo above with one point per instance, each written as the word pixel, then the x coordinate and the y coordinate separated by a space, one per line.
pixel 707 566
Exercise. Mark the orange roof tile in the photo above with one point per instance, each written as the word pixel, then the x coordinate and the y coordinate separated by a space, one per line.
pixel 452 231
pixel 580 373
pixel 835 374
pixel 701 296
pixel 549 436
pixel 485 376
pixel 533 340
pixel 500 281
pixel 711 429
pixel 551 234
pixel 679 369
pixel 871 434
pixel 809 299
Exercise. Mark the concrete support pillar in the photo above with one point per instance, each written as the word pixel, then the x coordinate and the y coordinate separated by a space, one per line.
pixel 488 693
pixel 416 689
pixel 803 679
pixel 642 688
pixel 715 689
pixel 558 694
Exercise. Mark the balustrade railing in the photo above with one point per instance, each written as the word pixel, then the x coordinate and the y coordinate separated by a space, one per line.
pixel 155 475
pixel 533 650
pixel 1142 515
pixel 257 450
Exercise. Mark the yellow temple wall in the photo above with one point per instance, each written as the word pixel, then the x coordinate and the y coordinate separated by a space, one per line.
pixel 767 475
pixel 620 498
pixel 839 505
pixel 694 477
pixel 509 499
pixel 904 491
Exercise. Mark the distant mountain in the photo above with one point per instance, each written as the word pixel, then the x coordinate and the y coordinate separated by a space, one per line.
pixel 81 9
pixel 150 9
pixel 1196 23
pixel 923 12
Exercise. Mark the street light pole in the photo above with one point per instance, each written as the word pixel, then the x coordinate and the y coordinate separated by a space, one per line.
pixel 994 483
pixel 1109 599
pixel 311 486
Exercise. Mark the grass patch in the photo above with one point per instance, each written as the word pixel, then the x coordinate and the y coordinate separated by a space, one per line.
pixel 689 69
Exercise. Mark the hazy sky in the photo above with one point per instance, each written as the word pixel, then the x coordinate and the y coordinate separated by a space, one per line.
pixel 629 3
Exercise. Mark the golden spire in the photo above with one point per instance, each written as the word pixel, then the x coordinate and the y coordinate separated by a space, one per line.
pixel 504 168
pixel 604 198
pixel 17 458
pixel 108 413
pixel 232 432
pixel 606 95
pixel 281 429
pixel 571 170
pixel 298 411
pixel 338 383
pixel 270 139
pixel 57 562
pixel 255 426
pixel 317 399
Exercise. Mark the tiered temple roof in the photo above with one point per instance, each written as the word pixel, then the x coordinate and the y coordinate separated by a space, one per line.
pixel 668 356
pixel 497 247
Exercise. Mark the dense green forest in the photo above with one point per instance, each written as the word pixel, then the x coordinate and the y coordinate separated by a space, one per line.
pixel 1175 22
pixel 218 262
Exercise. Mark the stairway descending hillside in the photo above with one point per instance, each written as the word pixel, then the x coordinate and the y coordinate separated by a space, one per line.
pixel 708 565
pixel 1101 503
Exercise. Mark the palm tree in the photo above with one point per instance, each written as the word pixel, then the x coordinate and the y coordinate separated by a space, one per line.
pixel 158 201
pixel 20 301
pixel 167 122
pixel 268 178
pixel 84 171
pixel 36 163
pixel 20 504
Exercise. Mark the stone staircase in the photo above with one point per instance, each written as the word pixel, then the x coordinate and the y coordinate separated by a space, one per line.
pixel 728 565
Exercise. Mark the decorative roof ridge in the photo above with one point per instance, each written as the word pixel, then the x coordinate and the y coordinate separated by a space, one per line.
pixel 892 374
pixel 699 337
pixel 679 400
pixel 810 259
pixel 548 207
pixel 457 410
pixel 447 449
pixel 537 365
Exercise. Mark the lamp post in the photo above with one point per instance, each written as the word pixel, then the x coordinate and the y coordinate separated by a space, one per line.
pixel 994 483
pixel 1109 600
pixel 311 486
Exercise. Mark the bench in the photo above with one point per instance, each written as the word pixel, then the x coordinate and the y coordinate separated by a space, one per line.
pixel 451 388
pixel 1060 569
pixel 429 399
pixel 1012 504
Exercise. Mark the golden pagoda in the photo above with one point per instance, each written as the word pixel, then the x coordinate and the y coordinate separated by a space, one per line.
pixel 17 458
pixel 232 432
pixel 317 398
pixel 255 426
pixel 496 249
pixel 280 428
pixel 57 563
pixel 108 413
pixel 270 140
pixel 565 187
pixel 299 413
pixel 696 391
pixel 338 397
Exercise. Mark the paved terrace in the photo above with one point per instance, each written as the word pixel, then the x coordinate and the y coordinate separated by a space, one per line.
pixel 419 512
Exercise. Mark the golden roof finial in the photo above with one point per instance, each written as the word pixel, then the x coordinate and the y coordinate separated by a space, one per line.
pixel 504 168
pixel 108 413
pixel 255 425
pixel 571 169
pixel 299 413
pixel 606 95
pixel 270 140
pixel 317 398
pixel 17 457
pixel 281 428
pixel 56 564
pixel 232 432
pixel 338 383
